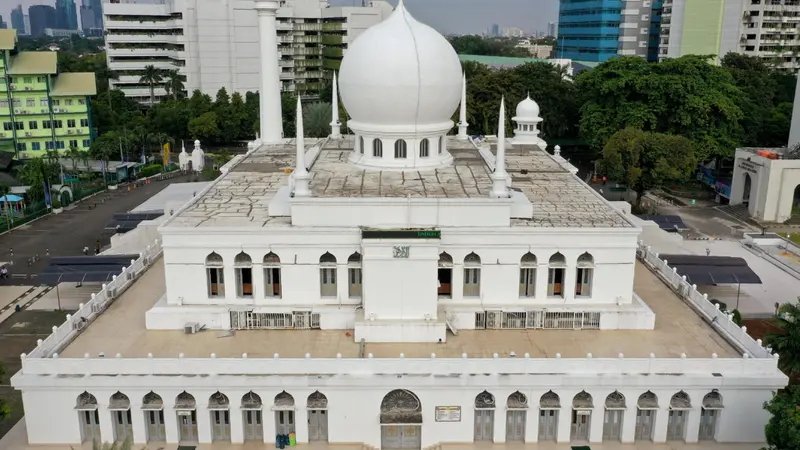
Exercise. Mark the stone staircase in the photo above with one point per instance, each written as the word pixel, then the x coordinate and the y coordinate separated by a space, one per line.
pixel 738 211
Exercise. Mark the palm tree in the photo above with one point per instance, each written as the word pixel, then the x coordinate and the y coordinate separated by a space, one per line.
pixel 787 342
pixel 151 76
pixel 174 83
pixel 317 119
pixel 74 155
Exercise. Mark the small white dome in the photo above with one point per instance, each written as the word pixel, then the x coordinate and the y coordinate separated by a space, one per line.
pixel 400 76
pixel 527 109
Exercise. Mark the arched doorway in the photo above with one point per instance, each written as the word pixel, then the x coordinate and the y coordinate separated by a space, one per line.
pixel 516 416
pixel 612 422
pixel 484 417
pixel 153 407
pixel 219 407
pixel 86 405
pixel 401 420
pixel 582 405
pixel 120 406
pixel 284 413
pixel 549 405
pixel 253 423
pixel 186 409
pixel 748 185
pixel 317 405
pixel 679 406
pixel 712 407
pixel 647 406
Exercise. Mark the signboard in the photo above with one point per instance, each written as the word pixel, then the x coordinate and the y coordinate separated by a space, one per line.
pixel 401 234
pixel 583 413
pixel 748 166
pixel 448 414
pixel 165 155
pixel 723 189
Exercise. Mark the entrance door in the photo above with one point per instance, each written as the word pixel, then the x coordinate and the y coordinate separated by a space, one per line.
pixel 445 282
pixel 612 425
pixel 354 285
pixel 580 425
pixel 407 437
pixel 484 425
pixel 284 422
pixel 318 425
pixel 220 425
pixel 187 426
pixel 708 424
pixel 156 431
pixel 253 427
pixel 527 282
pixel 644 425
pixel 548 424
pixel 272 281
pixel 515 425
pixel 676 425
pixel 122 425
pixel 90 425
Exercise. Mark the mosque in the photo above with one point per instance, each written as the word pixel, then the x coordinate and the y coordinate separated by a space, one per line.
pixel 399 285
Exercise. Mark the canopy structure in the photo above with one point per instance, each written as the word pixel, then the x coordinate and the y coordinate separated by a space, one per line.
pixel 667 223
pixel 712 269
pixel 124 222
pixel 84 269
pixel 11 198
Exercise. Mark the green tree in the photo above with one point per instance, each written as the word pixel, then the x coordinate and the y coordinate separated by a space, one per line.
pixel 289 111
pixel 786 343
pixel 645 160
pixel 240 126
pixel 5 409
pixel 783 429
pixel 74 155
pixel 205 128
pixel 251 105
pixel 174 83
pixel 489 46
pixel 107 147
pixel 199 103
pixel 317 119
pixel 151 77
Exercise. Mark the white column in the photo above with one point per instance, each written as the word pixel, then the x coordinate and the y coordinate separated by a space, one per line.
pixel 270 95
pixel 106 425
pixel 532 426
pixel 629 424
pixel 203 423
pixel 343 282
pixel 171 425
pixel 500 421
pixel 301 425
pixel 462 117
pixel 596 424
pixel 268 419
pixel 660 426
pixel 138 423
pixel 564 422
pixel 693 426
pixel 336 126
pixel 542 271
pixel 794 130
pixel 237 425
pixel 300 174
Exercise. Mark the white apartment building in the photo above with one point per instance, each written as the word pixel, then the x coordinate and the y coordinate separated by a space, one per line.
pixel 216 44
pixel 764 28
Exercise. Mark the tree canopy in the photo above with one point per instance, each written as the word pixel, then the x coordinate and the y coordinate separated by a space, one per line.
pixel 783 429
pixel 480 45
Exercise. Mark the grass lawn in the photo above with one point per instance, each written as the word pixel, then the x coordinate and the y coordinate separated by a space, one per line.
pixel 794 237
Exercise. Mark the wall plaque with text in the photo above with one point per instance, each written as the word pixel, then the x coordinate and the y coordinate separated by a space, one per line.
pixel 401 234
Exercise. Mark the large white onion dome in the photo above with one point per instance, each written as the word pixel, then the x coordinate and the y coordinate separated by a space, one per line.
pixel 400 76
pixel 528 109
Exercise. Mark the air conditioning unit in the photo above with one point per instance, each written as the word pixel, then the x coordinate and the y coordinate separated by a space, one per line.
pixel 28 88
pixel 24 111
pixel 70 131
pixel 13 87
pixel 2 135
pixel 27 134
pixel 24 155
pixel 17 111
pixel 44 111
pixel 191 328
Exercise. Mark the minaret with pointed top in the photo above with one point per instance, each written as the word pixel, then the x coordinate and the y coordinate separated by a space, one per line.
pixel 301 175
pixel 500 177
pixel 336 126
pixel 462 117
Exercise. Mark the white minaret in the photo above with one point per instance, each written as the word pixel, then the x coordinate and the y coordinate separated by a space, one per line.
pixel 198 157
pixel 183 158
pixel 270 95
pixel 500 177
pixel 301 175
pixel 336 130
pixel 462 117
pixel 794 128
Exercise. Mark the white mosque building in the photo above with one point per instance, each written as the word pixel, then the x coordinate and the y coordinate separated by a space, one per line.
pixel 398 286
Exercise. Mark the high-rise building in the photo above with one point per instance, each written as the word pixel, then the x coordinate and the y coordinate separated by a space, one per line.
pixel 494 30
pixel 552 29
pixel 66 15
pixel 766 29
pixel 215 45
pixel 602 29
pixel 18 20
pixel 3 25
pixel 42 16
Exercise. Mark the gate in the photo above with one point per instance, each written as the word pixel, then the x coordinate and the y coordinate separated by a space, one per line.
pixel 676 425
pixel 515 425
pixel 548 424
pixel 253 426
pixel 220 425
pixel 580 425
pixel 708 424
pixel 612 425
pixel 123 427
pixel 484 425
pixel 156 431
pixel 401 437
pixel 90 425
pixel 187 426
pixel 644 425
pixel 318 425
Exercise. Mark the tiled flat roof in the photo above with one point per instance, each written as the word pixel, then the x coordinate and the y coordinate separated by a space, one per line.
pixel 77 83
pixel 121 329
pixel 34 63
pixel 7 39
pixel 241 197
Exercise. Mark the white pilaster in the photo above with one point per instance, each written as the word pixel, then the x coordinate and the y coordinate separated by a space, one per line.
pixel 336 126
pixel 301 425
pixel 270 95
pixel 596 424
pixel 499 177
pixel 237 425
pixel 794 129
pixel 138 423
pixel 301 175
pixel 203 423
pixel 629 424
pixel 462 117
pixel 532 426
pixel 660 425
pixel 268 421
pixel 693 426
pixel 106 424
pixel 171 425
pixel 564 428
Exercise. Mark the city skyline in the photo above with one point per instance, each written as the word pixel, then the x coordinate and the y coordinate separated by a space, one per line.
pixel 447 16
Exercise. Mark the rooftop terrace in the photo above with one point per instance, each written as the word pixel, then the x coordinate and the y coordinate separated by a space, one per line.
pixel 241 197
pixel 121 329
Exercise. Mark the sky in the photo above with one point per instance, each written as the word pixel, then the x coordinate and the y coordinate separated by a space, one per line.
pixel 447 16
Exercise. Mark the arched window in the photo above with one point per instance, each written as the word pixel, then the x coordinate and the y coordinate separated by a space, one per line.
pixel 377 148
pixel 284 400
pixel 361 144
pixel 555 275
pixel 424 150
pixel 400 149
pixel 214 275
pixel 401 406
pixel 272 275
pixel 712 405
pixel 517 400
pixel 484 400
pixel 218 400
pixel 550 400
pixel 354 275
pixel 327 275
pixel 582 400
pixel 251 401
pixel 86 402
pixel 185 401
pixel 243 269
pixel 648 400
pixel 445 275
pixel 712 400
pixel 679 406
pixel 585 271
pixel 119 402
pixel 152 401
pixel 527 275
pixel 615 400
pixel 472 275
pixel 284 413
pixel 317 400
pixel 680 400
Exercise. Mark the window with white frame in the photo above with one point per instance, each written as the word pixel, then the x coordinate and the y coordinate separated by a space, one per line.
pixel 583 282
pixel 214 276
pixel 527 275
pixel 556 271
pixel 423 148
pixel 377 148
pixel 272 275
pixel 243 268
pixel 472 275
pixel 327 275
pixel 354 275
pixel 400 149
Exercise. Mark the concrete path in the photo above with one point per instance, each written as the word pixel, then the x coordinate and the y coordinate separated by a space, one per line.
pixel 65 296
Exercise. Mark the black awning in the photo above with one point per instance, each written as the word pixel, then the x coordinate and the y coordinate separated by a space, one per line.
pixel 124 222
pixel 86 269
pixel 712 269
pixel 667 222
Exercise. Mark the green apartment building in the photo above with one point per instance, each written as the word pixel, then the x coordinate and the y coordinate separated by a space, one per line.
pixel 41 109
